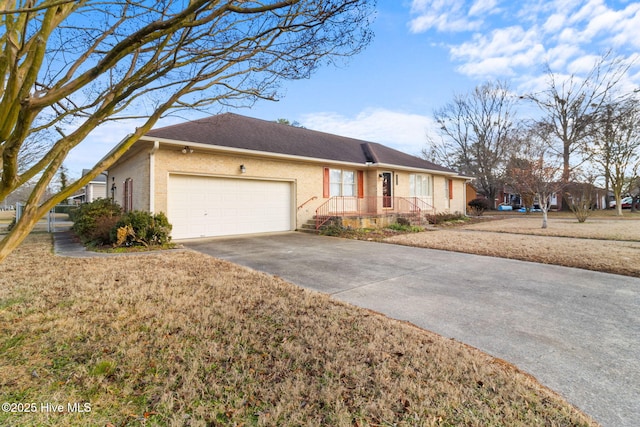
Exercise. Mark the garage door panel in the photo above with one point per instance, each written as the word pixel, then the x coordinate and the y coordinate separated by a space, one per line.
pixel 206 206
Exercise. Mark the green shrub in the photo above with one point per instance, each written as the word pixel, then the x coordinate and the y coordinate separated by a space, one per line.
pixel 90 218
pixel 479 205
pixel 141 228
pixel 405 227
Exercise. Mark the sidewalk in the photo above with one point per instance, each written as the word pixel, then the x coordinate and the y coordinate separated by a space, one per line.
pixel 66 243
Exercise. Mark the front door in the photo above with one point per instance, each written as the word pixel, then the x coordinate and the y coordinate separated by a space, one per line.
pixel 387 190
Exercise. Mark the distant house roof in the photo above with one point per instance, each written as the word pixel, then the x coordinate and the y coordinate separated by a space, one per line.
pixel 100 178
pixel 236 131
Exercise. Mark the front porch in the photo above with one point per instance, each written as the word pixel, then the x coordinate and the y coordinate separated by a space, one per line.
pixel 373 212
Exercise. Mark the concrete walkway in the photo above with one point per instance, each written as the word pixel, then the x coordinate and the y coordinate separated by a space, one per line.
pixel 576 331
pixel 66 243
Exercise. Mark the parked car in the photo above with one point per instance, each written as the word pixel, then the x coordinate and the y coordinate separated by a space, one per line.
pixel 625 203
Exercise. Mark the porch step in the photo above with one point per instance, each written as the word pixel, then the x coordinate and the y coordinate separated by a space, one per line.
pixel 309 227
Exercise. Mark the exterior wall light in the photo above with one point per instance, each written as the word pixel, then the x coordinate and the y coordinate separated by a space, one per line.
pixel 187 150
pixel 243 169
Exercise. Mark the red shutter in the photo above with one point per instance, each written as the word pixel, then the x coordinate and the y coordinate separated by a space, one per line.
pixel 360 184
pixel 450 189
pixel 325 183
pixel 128 195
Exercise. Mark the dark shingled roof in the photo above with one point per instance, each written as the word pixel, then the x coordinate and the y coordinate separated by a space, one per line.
pixel 236 131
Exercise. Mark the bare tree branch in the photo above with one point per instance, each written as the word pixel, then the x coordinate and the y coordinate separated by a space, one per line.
pixel 570 104
pixel 476 133
pixel 145 58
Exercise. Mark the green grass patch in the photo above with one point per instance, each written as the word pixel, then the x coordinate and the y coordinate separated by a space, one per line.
pixel 11 342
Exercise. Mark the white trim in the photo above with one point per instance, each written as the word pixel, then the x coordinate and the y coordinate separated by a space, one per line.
pixel 152 181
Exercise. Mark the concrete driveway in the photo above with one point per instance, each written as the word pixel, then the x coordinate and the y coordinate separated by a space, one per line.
pixel 576 331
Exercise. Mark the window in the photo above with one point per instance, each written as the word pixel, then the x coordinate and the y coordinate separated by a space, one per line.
pixel 420 186
pixel 342 183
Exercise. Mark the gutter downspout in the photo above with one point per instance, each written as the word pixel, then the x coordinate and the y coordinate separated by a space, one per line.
pixel 152 180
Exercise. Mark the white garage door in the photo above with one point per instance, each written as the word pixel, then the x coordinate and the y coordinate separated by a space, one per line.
pixel 205 206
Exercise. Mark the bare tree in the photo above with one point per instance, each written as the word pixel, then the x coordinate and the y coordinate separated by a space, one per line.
pixel 475 131
pixel 568 107
pixel 615 145
pixel 69 66
pixel 535 172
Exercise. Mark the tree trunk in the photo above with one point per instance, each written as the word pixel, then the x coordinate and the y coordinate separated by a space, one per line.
pixel 544 216
pixel 17 234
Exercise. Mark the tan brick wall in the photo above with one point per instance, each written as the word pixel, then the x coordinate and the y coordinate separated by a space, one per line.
pixel 134 165
pixel 306 177
pixel 441 197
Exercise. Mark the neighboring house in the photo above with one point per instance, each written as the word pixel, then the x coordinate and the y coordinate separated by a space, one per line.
pixel 230 175
pixel 95 189
pixel 472 193
pixel 508 196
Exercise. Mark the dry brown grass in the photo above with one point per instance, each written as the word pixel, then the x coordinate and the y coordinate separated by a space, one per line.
pixel 603 244
pixel 179 338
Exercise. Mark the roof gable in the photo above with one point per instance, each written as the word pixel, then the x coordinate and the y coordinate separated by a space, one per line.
pixel 236 131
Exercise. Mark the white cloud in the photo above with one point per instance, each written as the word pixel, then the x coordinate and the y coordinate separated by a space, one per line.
pixel 559 56
pixel 499 53
pixel 442 15
pixel 402 131
pixel 583 64
pixel 480 7
pixel 518 38
pixel 554 23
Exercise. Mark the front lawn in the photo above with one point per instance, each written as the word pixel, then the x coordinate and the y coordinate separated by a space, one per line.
pixel 179 338
pixel 606 243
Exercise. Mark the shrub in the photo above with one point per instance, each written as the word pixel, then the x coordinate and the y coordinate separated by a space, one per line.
pixel 90 220
pixel 333 228
pixel 444 217
pixel 479 205
pixel 403 221
pixel 405 227
pixel 101 232
pixel 141 228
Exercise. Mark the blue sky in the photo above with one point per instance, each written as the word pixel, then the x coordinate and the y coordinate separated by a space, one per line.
pixel 423 52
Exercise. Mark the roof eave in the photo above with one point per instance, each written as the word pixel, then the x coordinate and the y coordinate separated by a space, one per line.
pixel 246 151
pixel 268 154
pixel 452 174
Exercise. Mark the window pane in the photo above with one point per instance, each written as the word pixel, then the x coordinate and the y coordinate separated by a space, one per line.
pixel 420 185
pixel 349 177
pixel 348 190
pixel 334 189
pixel 348 183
